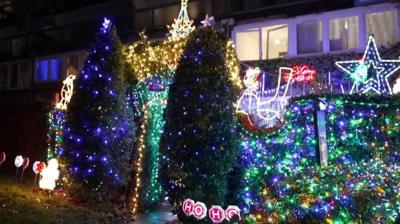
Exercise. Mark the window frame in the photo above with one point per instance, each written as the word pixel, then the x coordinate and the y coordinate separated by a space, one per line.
pixel 360 12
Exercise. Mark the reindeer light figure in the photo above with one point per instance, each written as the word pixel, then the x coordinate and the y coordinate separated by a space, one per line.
pixel 66 92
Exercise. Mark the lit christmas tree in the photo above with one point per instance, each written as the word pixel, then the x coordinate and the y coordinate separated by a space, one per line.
pixel 200 141
pixel 99 126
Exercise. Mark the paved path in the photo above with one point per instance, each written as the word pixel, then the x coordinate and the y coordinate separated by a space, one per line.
pixel 161 216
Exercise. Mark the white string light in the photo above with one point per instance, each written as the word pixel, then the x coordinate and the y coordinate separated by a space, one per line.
pixel 267 110
pixel 182 25
pixel 66 92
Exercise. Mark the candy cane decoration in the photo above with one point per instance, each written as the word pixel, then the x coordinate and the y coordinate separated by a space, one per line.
pixel 66 92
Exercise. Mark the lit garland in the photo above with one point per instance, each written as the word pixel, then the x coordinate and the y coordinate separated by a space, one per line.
pixel 56 119
pixel 55 133
pixel 147 59
pixel 153 96
pixel 361 184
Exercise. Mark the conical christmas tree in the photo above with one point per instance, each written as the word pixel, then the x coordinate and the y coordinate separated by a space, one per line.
pixel 99 128
pixel 200 141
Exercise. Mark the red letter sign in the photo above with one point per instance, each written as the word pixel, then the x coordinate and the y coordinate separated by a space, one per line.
pixel 232 211
pixel 199 210
pixel 187 207
pixel 216 214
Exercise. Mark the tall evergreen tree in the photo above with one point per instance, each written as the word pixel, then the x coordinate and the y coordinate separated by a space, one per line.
pixel 200 140
pixel 99 126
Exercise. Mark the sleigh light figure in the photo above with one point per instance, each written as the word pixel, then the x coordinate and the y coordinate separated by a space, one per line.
pixel 264 108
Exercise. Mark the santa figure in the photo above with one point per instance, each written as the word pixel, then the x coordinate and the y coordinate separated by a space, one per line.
pixel 49 175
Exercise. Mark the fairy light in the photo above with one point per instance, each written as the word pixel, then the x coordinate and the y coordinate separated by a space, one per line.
pixel 139 162
pixel 282 184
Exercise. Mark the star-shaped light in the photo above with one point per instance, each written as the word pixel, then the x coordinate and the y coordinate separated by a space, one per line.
pixel 106 25
pixel 359 69
pixel 208 21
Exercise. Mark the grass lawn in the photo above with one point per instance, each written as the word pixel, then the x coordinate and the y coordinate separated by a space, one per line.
pixel 21 204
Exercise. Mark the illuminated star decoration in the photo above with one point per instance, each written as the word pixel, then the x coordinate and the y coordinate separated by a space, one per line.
pixel 106 25
pixel 208 21
pixel 371 73
pixel 182 25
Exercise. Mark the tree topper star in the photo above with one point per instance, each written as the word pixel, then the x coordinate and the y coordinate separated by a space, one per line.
pixel 383 69
pixel 208 21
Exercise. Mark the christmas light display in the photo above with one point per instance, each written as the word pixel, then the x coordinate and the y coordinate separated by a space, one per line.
pixel 66 92
pixel 301 73
pixel 262 110
pixel 182 25
pixel 152 96
pixel 19 160
pixel 55 133
pixel 200 140
pixel 149 60
pixel 49 175
pixel 371 73
pixel 38 167
pixel 284 184
pixel 98 131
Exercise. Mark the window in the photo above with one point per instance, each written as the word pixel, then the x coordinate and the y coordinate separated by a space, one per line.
pixel 247 45
pixel 274 41
pixel 14 76
pixel 3 76
pixel 383 26
pixel 73 64
pixel 48 70
pixel 343 33
pixel 24 74
pixel 309 37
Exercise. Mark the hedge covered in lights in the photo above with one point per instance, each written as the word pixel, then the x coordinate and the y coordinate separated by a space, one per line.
pixel 283 182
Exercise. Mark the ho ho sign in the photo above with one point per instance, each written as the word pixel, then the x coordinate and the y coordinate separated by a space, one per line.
pixel 216 214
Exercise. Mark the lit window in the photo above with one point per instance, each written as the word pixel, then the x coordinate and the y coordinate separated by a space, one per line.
pixel 274 41
pixel 309 37
pixel 48 70
pixel 343 33
pixel 383 26
pixel 247 45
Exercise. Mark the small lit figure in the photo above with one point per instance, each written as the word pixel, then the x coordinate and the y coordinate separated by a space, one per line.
pixel 49 175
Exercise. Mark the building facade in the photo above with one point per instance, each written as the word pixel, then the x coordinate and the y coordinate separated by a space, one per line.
pixel 42 40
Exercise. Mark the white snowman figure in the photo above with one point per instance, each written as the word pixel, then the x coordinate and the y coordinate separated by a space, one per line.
pixel 49 175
